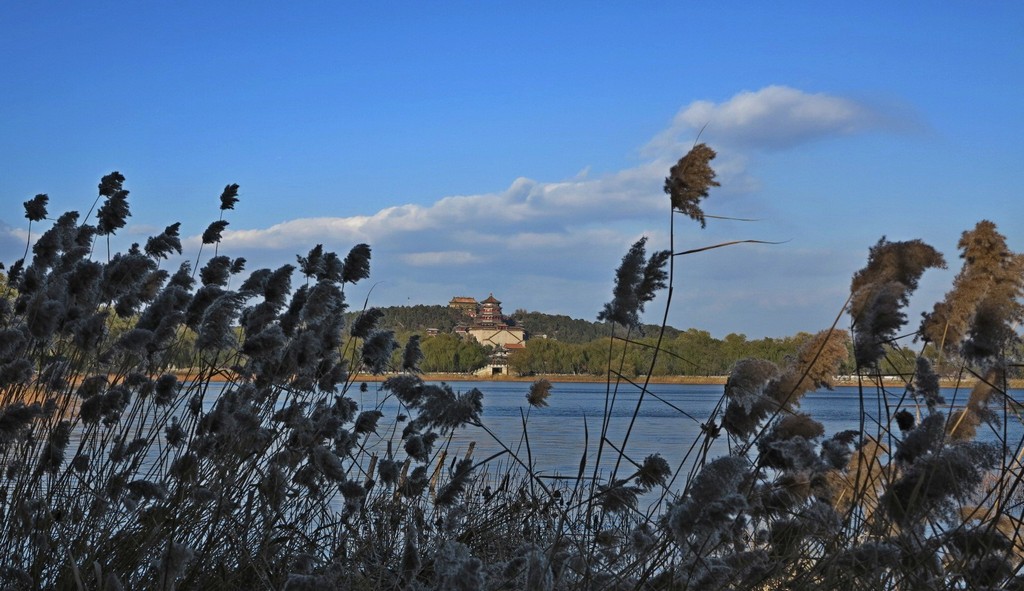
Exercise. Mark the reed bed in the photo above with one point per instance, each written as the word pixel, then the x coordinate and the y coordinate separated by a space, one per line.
pixel 258 470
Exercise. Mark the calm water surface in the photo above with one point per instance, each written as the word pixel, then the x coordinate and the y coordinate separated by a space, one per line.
pixel 668 422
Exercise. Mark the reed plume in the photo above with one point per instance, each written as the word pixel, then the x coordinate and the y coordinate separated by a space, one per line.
pixel 882 289
pixel 978 314
pixel 690 180
pixel 636 281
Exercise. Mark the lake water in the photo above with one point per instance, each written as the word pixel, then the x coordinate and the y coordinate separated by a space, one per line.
pixel 669 420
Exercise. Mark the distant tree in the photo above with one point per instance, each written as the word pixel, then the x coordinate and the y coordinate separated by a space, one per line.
pixel 448 353
pixel 418 318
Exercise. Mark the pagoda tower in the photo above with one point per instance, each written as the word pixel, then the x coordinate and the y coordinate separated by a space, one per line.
pixel 490 312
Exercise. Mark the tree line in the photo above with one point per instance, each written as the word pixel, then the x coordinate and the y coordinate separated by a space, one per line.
pixel 689 353
pixel 563 345
pixel 559 344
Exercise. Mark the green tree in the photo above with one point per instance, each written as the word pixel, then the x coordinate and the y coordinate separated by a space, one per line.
pixel 448 353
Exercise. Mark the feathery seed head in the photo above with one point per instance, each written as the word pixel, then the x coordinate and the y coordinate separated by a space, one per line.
pixel 216 271
pixel 80 463
pixel 442 408
pixel 351 489
pixel 388 471
pixel 324 304
pixel 52 456
pixel 135 340
pixel 174 434
pixel 616 497
pixel 18 371
pixel 794 454
pixel 419 446
pixel 229 197
pixel 15 419
pixel 377 350
pixel 110 184
pixel 817 362
pixel 539 393
pixel 984 303
pixel 457 485
pixel 934 481
pixel 92 386
pixel 367 421
pixel 162 245
pixel 113 214
pixel 357 264
pixel 456 569
pixel 415 483
pixel 835 451
pixel 35 208
pixel 328 463
pixel 926 438
pixel 213 232
pixel 183 277
pixel 166 389
pixel 690 181
pixel 926 384
pixel 413 355
pixel 12 343
pixel 202 495
pixel 636 281
pixel 311 265
pixel 797 424
pixel 256 282
pixel 146 489
pixel 15 272
pixel 267 345
pixel 278 285
pixel 882 289
pixel 904 420
pixel 745 391
pixel 215 330
pixel 172 565
pixel 653 472
pixel 407 388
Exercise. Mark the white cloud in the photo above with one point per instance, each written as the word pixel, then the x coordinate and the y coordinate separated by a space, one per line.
pixel 12 243
pixel 297 233
pixel 632 194
pixel 572 233
pixel 440 258
pixel 547 241
pixel 774 117
pixel 18 234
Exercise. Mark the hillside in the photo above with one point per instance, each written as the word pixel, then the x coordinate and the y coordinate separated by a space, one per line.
pixel 572 330
pixel 418 318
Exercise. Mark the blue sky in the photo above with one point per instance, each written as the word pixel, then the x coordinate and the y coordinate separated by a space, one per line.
pixel 519 149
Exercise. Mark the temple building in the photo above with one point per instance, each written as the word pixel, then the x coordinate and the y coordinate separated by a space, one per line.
pixel 489 313
pixel 488 324
pixel 466 304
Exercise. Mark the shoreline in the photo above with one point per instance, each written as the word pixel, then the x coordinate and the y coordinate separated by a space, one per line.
pixel 1015 383
pixel 682 380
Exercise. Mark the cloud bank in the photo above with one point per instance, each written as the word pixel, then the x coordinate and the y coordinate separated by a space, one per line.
pixel 553 245
pixel 773 118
